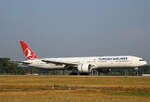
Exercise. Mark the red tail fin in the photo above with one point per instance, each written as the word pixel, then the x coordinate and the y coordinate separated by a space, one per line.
pixel 27 51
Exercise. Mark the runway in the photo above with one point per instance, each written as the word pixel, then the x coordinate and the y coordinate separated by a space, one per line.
pixel 73 76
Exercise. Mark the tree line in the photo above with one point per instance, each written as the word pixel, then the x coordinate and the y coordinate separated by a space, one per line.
pixel 9 67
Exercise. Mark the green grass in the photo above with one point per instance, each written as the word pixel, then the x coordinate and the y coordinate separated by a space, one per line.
pixel 138 94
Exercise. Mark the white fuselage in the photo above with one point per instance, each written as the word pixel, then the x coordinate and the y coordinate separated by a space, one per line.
pixel 98 62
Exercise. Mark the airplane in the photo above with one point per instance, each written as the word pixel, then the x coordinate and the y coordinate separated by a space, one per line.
pixel 81 64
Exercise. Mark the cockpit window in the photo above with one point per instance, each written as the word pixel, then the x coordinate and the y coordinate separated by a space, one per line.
pixel 141 60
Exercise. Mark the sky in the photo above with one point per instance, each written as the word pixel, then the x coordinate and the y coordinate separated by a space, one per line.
pixel 66 28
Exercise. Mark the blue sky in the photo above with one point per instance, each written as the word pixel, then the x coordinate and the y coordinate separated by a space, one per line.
pixel 59 28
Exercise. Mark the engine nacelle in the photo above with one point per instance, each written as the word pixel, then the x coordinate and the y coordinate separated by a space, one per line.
pixel 84 68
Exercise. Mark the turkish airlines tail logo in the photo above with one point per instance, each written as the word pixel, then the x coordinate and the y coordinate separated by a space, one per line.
pixel 27 51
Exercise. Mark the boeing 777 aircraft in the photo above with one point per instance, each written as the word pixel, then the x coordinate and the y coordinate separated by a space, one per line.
pixel 82 64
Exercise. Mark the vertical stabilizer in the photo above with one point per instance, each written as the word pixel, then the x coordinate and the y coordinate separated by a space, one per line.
pixel 29 54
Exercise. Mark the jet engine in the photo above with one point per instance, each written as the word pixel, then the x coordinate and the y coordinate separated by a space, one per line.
pixel 84 68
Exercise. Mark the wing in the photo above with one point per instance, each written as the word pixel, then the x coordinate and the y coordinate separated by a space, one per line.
pixel 60 63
